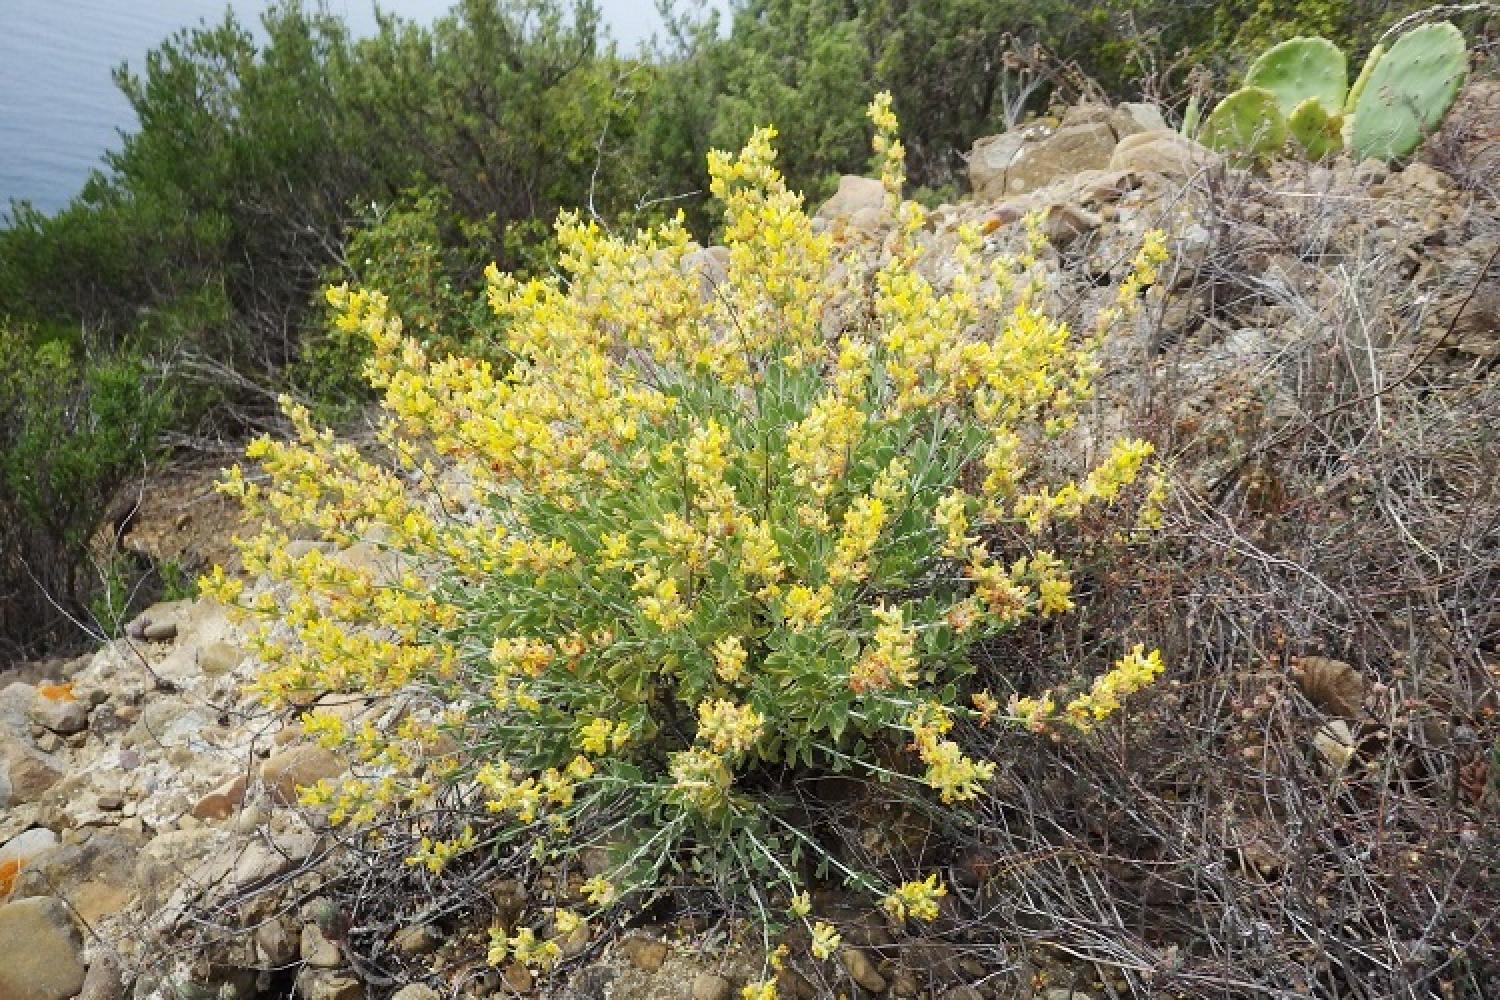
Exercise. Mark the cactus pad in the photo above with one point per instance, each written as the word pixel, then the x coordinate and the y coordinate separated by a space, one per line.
pixel 1409 91
pixel 1300 68
pixel 1248 123
pixel 1319 133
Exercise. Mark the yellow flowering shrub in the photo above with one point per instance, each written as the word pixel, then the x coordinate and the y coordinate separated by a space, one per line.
pixel 693 535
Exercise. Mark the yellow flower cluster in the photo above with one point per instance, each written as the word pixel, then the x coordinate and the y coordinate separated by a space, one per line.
pixel 916 900
pixel 956 778
pixel 1131 673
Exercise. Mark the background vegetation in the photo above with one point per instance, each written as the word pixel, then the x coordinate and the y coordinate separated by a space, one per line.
pixel 185 273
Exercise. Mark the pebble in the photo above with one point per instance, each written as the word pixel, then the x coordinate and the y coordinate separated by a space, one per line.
pixel 317 951
pixel 862 970
pixel 644 953
pixel 711 986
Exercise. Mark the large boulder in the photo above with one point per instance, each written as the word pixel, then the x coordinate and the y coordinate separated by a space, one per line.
pixel 1025 159
pixel 40 951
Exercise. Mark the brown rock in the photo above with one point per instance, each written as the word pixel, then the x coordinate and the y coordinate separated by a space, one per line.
pixel 104 980
pixel 297 766
pixel 219 658
pixel 711 986
pixel 25 772
pixel 317 951
pixel 519 978
pixel 40 951
pixel 1027 159
pixel 222 801
pixel 324 984
pixel 418 939
pixel 274 945
pixel 644 953
pixel 862 970
pixel 859 203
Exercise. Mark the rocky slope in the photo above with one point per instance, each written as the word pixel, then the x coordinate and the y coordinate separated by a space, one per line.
pixel 142 793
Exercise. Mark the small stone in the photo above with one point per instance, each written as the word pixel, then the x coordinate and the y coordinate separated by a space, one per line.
pixel 249 819
pixel 62 713
pixel 25 772
pixel 416 991
pixel 273 945
pixel 644 953
pixel 904 984
pixel 159 631
pixel 222 801
pixel 964 992
pixel 711 986
pixel 42 951
pixel 109 802
pixel 418 939
pixel 104 980
pixel 219 658
pixel 1065 993
pixel 317 951
pixel 322 984
pixel 862 970
pixel 519 978
pixel 298 766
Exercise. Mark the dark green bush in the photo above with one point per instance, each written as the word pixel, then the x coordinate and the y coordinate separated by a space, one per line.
pixel 79 424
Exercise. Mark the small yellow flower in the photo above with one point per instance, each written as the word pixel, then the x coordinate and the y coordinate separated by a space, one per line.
pixel 825 940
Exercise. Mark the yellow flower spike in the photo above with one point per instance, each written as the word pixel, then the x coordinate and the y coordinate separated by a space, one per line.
pixel 916 900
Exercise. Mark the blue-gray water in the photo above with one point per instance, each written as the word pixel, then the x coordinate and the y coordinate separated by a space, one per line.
pixel 59 109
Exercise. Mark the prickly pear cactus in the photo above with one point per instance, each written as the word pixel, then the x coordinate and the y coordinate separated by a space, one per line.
pixel 1319 133
pixel 1301 68
pixel 1355 91
pixel 1408 92
pixel 1248 123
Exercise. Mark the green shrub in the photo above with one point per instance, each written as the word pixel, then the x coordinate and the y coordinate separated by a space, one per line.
pixel 689 548
pixel 77 426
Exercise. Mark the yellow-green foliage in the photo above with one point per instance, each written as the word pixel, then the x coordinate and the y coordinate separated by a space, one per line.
pixel 689 534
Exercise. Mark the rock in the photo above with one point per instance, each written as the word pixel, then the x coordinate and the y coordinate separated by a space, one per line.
pixel 862 970
pixel 159 631
pixel 904 984
pixel 222 801
pixel 592 983
pixel 297 766
pixel 416 991
pixel 1162 152
pixel 858 204
pixel 644 953
pixel 57 709
pixel 1021 161
pixel 964 992
pixel 17 853
pixel 274 944
pixel 711 986
pixel 418 939
pixel 1144 116
pixel 261 862
pixel 317 951
pixel 40 951
pixel 93 874
pixel 25 772
pixel 219 658
pixel 1065 993
pixel 519 978
pixel 323 984
pixel 104 980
